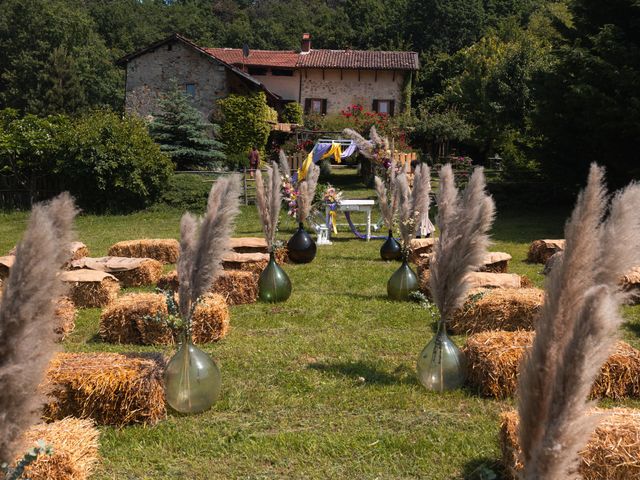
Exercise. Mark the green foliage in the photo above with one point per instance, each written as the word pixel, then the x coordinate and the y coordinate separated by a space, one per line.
pixel 31 148
pixel 113 164
pixel 244 122
pixel 186 192
pixel 31 456
pixel 292 113
pixel 183 134
pixel 433 131
pixel 588 104
pixel 53 60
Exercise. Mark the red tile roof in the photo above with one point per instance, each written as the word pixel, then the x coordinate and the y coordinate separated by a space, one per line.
pixel 360 59
pixel 258 58
pixel 348 59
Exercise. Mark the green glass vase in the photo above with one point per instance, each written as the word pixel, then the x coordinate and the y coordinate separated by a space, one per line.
pixel 402 282
pixel 274 284
pixel 441 364
pixel 192 379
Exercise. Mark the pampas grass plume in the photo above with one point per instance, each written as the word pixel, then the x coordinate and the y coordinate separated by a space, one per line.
pixel 203 246
pixel 307 190
pixel 26 316
pixel 268 202
pixel 576 330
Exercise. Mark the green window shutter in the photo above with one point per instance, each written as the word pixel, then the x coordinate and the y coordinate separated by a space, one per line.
pixel 324 106
pixel 307 105
pixel 392 107
pixel 374 107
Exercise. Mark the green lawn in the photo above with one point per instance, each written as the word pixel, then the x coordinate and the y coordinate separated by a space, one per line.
pixel 319 387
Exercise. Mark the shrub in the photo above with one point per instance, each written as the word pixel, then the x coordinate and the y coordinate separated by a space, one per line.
pixel 186 192
pixel 292 113
pixel 113 164
pixel 244 122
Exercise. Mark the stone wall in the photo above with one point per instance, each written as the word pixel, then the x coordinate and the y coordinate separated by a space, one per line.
pixel 150 74
pixel 349 87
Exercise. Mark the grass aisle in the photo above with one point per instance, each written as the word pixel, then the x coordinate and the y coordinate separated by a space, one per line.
pixel 322 386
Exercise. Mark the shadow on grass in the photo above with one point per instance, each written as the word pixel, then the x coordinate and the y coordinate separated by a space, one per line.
pixel 484 469
pixel 370 373
pixel 632 327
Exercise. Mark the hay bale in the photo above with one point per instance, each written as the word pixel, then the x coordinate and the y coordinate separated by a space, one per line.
pixel 493 262
pixel 420 248
pixel 163 250
pixel 90 288
pixel 210 320
pixel 612 452
pixel 249 245
pixel 498 309
pixel 75 446
pixel 630 283
pixel 493 360
pixel 541 250
pixel 110 388
pixel 65 315
pixel 248 262
pixel 282 255
pixel 131 272
pixel 127 318
pixel 78 250
pixel 169 281
pixel 238 287
pixel 480 280
pixel 6 263
pixel 138 318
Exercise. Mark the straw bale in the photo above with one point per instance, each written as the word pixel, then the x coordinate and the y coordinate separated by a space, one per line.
pixel 210 320
pixel 75 446
pixel 494 262
pixel 480 280
pixel 126 320
pixel 249 245
pixel 498 309
pixel 419 248
pixel 630 283
pixel 612 453
pixel 78 250
pixel 541 250
pixel 131 272
pixel 110 388
pixel 91 288
pixel 493 359
pixel 282 255
pixel 6 263
pixel 65 314
pixel 169 281
pixel 137 318
pixel 248 262
pixel 163 250
pixel 237 286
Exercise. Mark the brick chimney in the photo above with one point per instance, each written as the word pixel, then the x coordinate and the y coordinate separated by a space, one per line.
pixel 305 44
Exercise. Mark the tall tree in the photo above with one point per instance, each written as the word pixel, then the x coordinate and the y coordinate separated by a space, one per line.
pixel 183 134
pixel 589 104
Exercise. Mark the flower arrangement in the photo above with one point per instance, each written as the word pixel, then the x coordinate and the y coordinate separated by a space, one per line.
pixel 298 194
pixel 331 194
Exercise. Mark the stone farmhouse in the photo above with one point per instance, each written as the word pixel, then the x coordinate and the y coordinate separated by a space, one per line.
pixel 322 81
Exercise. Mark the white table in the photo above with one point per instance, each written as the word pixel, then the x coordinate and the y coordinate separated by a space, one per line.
pixel 354 206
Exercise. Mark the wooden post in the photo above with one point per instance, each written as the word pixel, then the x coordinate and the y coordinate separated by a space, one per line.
pixel 244 181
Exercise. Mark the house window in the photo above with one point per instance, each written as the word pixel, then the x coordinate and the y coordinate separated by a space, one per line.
pixel 190 89
pixel 315 105
pixel 281 72
pixel 257 71
pixel 384 106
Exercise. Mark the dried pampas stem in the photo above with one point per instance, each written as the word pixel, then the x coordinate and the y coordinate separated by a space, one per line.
pixel 307 190
pixel 412 203
pixel 268 201
pixel 202 246
pixel 26 316
pixel 464 225
pixel 576 330
pixel 284 163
